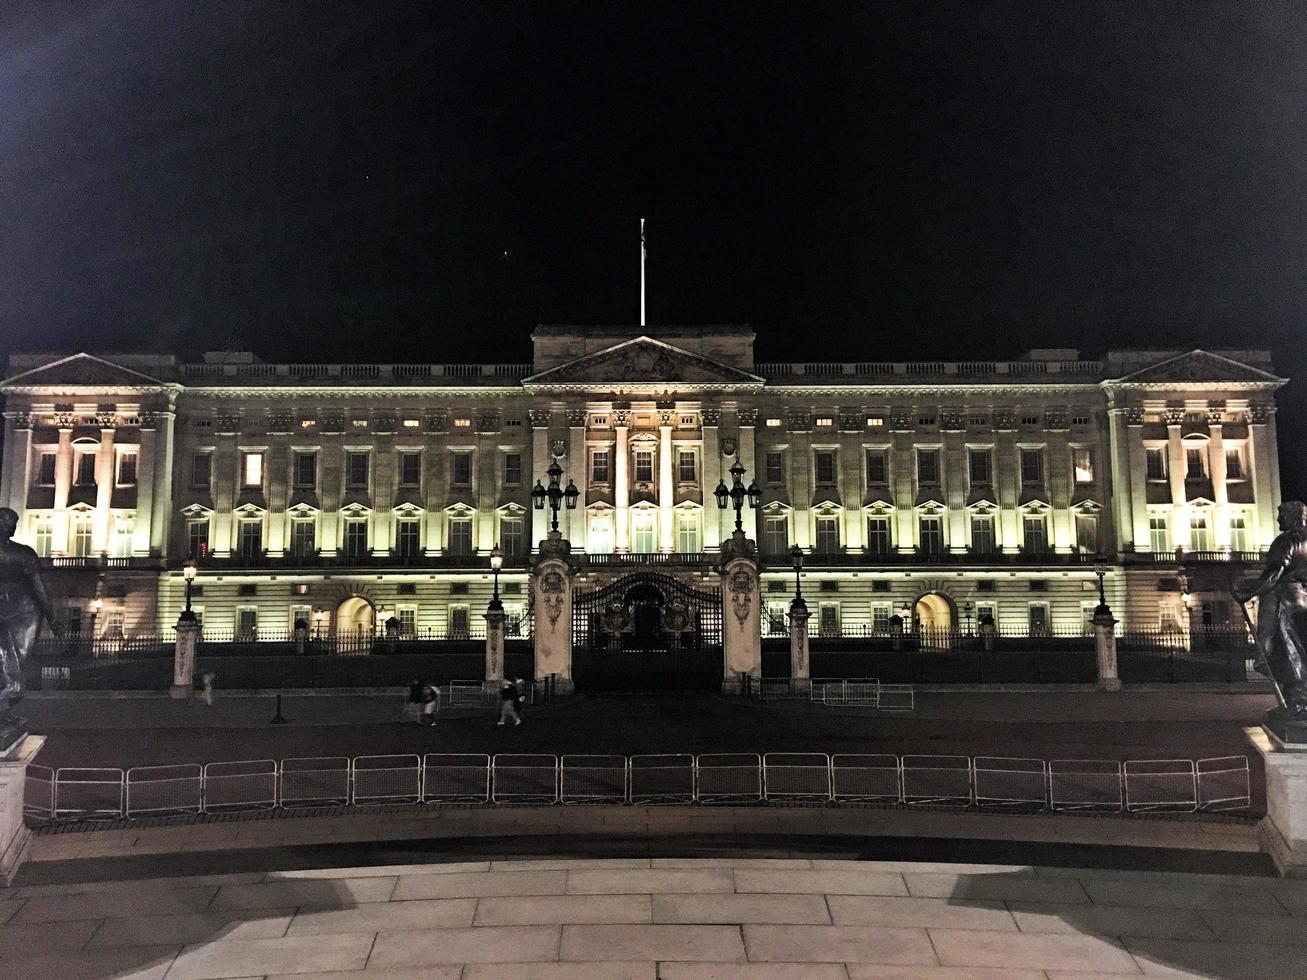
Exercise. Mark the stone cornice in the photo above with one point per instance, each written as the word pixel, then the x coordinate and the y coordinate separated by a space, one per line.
pixel 352 392
pixel 923 389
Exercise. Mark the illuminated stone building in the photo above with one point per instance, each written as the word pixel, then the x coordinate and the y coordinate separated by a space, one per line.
pixel 345 494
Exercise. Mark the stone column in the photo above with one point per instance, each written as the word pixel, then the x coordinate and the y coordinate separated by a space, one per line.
pixel 741 615
pixel 1105 649
pixel 183 658
pixel 1220 491
pixel 63 483
pixel 104 481
pixel 666 488
pixel 1175 467
pixel 577 470
pixel 748 421
pixel 145 475
pixel 162 478
pixel 15 838
pixel 799 660
pixel 494 645
pixel 1266 488
pixel 1283 831
pixel 553 611
pixel 539 419
pixel 15 470
pixel 709 466
pixel 621 483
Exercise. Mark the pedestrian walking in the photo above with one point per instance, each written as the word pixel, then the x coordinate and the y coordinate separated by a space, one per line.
pixel 413 703
pixel 508 704
pixel 206 687
pixel 430 699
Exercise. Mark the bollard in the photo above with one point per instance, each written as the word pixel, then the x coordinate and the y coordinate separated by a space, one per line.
pixel 278 718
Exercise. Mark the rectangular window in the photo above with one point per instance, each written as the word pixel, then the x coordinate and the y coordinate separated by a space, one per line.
pixel 120 546
pixel 686 471
pixel 201 470
pixel 512 537
pixel 1087 534
pixel 1035 529
pixel 982 534
pixel 875 422
pixel 1200 533
pixel 879 541
pixel 356 470
pixel 303 539
pixel 306 471
pixel 1032 467
pixel 825 467
pixel 927 466
pixel 42 536
pixel 776 536
pixel 1195 463
pixel 410 469
pixel 687 532
pixel 1159 536
pixel 828 619
pixel 356 538
pixel 773 423
pixel 599 467
pixel 880 614
pixel 408 620
pixel 459 622
pixel 1037 619
pixel 877 467
pixel 825 422
pixel 513 469
pixel 1082 464
pixel 84 474
pixel 644 466
pixel 930 532
pixel 127 468
pixel 408 537
pixel 986 614
pixel 461 472
pixel 1234 464
pixel 980 465
pixel 45 470
pixel 252 471
pixel 81 538
pixel 600 539
pixel 643 533
pixel 460 536
pixel 828 535
pixel 250 539
pixel 1155 463
pixel 197 538
pixel 774 624
pixel 247 624
pixel 776 468
pixel 1238 533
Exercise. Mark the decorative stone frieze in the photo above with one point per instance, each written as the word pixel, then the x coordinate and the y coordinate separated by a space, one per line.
pixel 539 418
pixel 64 420
pixel 952 419
pixel 1134 415
pixel 384 423
pixel 279 423
pixel 621 416
pixel 1005 419
pixel 576 418
pixel 1215 412
pixel 1056 420
pixel 1173 415
pixel 333 424
pixel 488 422
pixel 227 425
pixel 748 417
pixel 851 421
pixel 901 420
pixel 438 423
pixel 1259 413
pixel 798 421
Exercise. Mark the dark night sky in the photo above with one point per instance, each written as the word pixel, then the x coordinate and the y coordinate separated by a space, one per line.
pixel 385 181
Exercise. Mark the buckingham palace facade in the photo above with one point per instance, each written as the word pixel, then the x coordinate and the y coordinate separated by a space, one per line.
pixel 345 495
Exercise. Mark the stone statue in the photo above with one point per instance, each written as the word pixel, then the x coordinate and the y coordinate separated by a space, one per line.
pixel 1282 612
pixel 23 604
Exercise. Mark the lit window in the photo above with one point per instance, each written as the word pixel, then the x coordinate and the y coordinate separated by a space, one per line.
pixel 1200 532
pixel 462 423
pixel 1087 534
pixel 308 423
pixel 687 532
pixel 512 540
pixel 825 422
pixel 1238 533
pixel 773 423
pixel 1082 462
pixel 982 534
pixel 412 423
pixel 81 537
pixel 197 538
pixel 875 422
pixel 43 535
pixel 1159 536
pixel 776 536
pixel 252 470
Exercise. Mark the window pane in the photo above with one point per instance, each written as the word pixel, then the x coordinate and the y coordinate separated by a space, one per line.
pixel 1036 534
pixel 927 465
pixel 1082 462
pixel 460 536
pixel 1238 533
pixel 1233 464
pixel 686 468
pixel 462 473
pixel 775 467
pixel 599 466
pixel 512 540
pixel 197 538
pixel 877 472
pixel 1195 465
pixel 251 539
pixel 127 469
pixel 931 533
pixel 306 470
pixel 410 469
pixel 687 533
pixel 1156 460
pixel 86 469
pixel 303 539
pixel 643 466
pixel 252 470
pixel 356 472
pixel 981 472
pixel 1159 538
pixel 407 537
pixel 45 470
pixel 825 468
pixel 1087 534
pixel 982 534
pixel 201 467
pixel 1032 466
pixel 1200 535
pixel 776 535
pixel 513 469
pixel 878 535
pixel 828 535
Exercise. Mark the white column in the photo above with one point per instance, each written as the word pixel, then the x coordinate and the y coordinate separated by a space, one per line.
pixel 621 491
pixel 576 471
pixel 16 475
pixel 748 420
pixel 145 465
pixel 1176 470
pixel 539 463
pixel 666 532
pixel 63 482
pixel 162 477
pixel 1265 467
pixel 708 477
pixel 1220 492
pixel 104 481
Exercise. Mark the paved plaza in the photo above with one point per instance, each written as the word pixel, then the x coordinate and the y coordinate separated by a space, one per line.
pixel 661 918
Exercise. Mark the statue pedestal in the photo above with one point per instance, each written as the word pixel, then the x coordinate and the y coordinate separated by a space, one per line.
pixel 1283 831
pixel 15 838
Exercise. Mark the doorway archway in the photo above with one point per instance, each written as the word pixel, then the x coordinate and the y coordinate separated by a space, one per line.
pixel 355 621
pixel 933 613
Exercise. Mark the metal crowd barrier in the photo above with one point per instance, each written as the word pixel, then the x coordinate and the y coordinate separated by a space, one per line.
pixel 956 781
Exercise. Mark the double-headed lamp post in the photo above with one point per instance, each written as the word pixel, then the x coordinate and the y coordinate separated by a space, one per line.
pixel 496 563
pixel 1101 571
pixel 796 562
pixel 554 494
pixel 189 571
pixel 737 494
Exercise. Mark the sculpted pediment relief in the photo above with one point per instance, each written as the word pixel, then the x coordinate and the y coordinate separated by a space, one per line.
pixel 642 361
pixel 83 369
pixel 1198 366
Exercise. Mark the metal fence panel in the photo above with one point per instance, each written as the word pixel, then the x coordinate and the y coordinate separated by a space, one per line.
pixel 1007 782
pixel 944 779
pixel 245 785
pixel 387 779
pixel 80 793
pixel 728 777
pixel 866 778
pixel 662 778
pixel 593 779
pixel 1084 784
pixel 455 778
pixel 165 789
pixel 782 688
pixel 315 781
pixel 466 694
pixel 1160 784
pixel 38 794
pixel 896 697
pixel 524 778
pixel 796 776
pixel 1223 783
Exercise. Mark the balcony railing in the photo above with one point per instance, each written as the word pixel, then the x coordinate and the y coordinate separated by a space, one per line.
pixel 100 561
pixel 842 559
pixel 1192 557
pixel 406 374
pixel 316 560
pixel 651 558
pixel 915 370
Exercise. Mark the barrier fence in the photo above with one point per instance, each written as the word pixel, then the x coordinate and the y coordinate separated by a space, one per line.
pixel 983 782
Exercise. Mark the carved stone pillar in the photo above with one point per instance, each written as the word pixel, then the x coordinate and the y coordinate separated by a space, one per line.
pixel 495 646
pixel 666 489
pixel 800 662
pixel 1105 649
pixel 621 483
pixel 162 478
pixel 1176 470
pixel 552 582
pixel 741 615
pixel 1220 491
pixel 104 480
pixel 183 659
pixel 708 477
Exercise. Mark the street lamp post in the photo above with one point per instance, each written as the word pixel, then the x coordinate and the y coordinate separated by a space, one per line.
pixel 796 562
pixel 1101 571
pixel 496 563
pixel 737 494
pixel 555 495
pixel 967 608
pixel 96 605
pixel 189 571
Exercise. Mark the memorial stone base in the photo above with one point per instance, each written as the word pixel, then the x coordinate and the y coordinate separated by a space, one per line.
pixel 1283 831
pixel 15 838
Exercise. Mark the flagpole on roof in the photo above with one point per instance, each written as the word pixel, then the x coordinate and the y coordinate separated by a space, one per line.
pixel 642 258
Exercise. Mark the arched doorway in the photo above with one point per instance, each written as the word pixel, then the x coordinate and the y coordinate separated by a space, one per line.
pixel 933 618
pixel 355 622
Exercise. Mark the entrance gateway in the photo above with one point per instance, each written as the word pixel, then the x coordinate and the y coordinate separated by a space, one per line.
pixel 647 631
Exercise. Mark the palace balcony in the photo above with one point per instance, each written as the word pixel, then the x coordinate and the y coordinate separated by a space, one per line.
pixel 99 562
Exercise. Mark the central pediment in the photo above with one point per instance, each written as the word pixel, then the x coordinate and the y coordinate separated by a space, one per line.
pixel 1199 366
pixel 79 371
pixel 640 363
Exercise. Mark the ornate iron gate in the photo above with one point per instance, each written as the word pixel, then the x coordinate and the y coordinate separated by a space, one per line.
pixel 647 631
